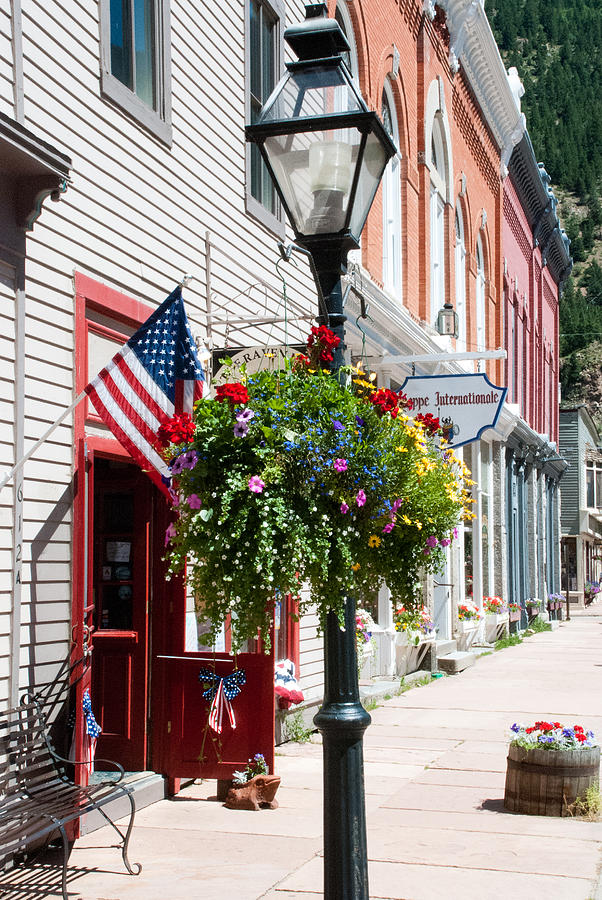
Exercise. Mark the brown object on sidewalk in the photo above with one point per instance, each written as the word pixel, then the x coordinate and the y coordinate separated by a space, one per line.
pixel 547 782
pixel 257 793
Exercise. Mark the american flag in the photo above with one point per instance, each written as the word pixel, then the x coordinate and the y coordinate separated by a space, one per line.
pixel 157 374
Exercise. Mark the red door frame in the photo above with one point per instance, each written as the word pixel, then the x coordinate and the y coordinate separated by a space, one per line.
pixel 169 601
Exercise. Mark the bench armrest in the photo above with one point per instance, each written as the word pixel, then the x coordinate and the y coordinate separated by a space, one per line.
pixel 86 762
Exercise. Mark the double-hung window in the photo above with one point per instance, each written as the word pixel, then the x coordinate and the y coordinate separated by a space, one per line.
pixel 264 64
pixel 135 61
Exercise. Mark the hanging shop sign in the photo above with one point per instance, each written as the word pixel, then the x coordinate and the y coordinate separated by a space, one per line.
pixel 254 358
pixel 466 405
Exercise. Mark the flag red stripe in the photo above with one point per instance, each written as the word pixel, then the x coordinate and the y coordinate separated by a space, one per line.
pixel 122 401
pixel 127 443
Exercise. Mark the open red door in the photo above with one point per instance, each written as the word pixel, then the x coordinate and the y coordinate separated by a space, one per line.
pixel 184 744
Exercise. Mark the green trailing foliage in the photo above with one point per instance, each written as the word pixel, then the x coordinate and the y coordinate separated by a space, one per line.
pixel 294 478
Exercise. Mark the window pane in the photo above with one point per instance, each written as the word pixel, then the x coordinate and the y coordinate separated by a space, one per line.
pixel 121 42
pixel 262 73
pixel 598 487
pixel 144 43
pixel 590 488
pixel 255 59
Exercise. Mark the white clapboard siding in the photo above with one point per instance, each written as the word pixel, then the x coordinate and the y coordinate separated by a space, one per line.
pixel 135 218
pixel 7 460
pixel 6 61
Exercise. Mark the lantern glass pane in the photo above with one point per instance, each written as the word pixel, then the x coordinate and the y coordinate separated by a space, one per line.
pixel 318 91
pixel 315 170
pixel 374 161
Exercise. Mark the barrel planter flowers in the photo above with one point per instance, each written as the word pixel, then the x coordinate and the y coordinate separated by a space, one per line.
pixel 550 766
pixel 415 633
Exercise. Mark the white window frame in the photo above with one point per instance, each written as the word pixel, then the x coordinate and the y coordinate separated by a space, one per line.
pixel 480 296
pixel 157 121
pixel 460 267
pixel 391 194
pixel 439 179
pixel 254 207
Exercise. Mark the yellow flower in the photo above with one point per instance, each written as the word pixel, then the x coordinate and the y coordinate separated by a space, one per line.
pixel 356 566
pixel 406 520
pixel 418 524
pixel 374 540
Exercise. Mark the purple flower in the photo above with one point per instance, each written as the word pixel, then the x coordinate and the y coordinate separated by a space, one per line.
pixel 241 429
pixel 256 485
pixel 360 498
pixel 245 415
pixel 338 426
pixel 194 501
pixel 170 533
pixel 359 421
pixel 445 542
pixel 396 504
pixel 426 551
pixel 340 465
pixel 455 533
pixel 344 508
pixel 175 497
pixel 388 527
pixel 515 728
pixel 432 541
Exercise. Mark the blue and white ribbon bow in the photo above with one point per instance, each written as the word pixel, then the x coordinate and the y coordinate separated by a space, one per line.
pixel 220 693
pixel 93 729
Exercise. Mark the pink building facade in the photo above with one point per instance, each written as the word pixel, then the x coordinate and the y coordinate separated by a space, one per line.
pixel 536 263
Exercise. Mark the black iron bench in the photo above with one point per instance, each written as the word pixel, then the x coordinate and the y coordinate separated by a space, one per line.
pixel 37 796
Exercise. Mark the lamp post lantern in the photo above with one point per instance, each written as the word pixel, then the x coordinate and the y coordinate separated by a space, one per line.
pixel 326 153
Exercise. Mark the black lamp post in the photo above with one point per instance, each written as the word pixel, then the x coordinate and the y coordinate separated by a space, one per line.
pixel 326 153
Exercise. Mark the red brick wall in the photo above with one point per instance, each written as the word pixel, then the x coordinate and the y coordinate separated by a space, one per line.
pixel 423 48
pixel 533 295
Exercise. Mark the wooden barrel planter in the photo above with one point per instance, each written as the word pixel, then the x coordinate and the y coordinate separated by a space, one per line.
pixel 547 782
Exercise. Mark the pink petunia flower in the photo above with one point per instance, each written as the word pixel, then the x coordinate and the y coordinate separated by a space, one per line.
pixel 170 533
pixel 344 508
pixel 388 528
pixel 256 485
pixel 432 541
pixel 396 504
pixel 340 465
pixel 360 498
pixel 194 501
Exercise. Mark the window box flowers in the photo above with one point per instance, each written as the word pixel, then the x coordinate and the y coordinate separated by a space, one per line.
pixel 550 766
pixel 514 612
pixel 469 622
pixel 365 643
pixel 496 618
pixel 415 632
pixel 291 477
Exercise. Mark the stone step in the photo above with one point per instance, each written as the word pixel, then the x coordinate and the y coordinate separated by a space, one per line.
pixel 445 647
pixel 455 662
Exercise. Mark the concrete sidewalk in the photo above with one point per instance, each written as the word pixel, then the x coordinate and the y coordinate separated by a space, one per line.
pixel 435 759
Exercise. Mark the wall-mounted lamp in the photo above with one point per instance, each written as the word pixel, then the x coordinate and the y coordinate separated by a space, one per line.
pixel 447 321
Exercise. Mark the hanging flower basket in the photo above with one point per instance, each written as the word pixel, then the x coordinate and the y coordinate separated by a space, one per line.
pixel 291 477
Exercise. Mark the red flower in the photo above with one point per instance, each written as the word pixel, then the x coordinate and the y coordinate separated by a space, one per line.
pixel 580 736
pixel 324 336
pixel 557 725
pixel 430 422
pixel 578 729
pixel 177 430
pixel 385 401
pixel 235 393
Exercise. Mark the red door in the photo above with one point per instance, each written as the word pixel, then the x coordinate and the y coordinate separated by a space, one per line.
pixel 184 744
pixel 123 498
